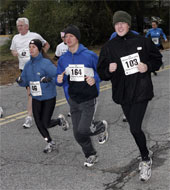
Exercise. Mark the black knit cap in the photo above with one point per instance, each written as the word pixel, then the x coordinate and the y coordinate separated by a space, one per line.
pixel 72 29
pixel 121 16
pixel 37 42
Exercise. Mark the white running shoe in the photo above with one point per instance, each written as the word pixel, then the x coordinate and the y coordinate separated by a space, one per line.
pixel 124 118
pixel 50 147
pixel 28 122
pixel 103 137
pixel 150 156
pixel 69 114
pixel 64 123
pixel 91 160
pixel 145 172
pixel 1 112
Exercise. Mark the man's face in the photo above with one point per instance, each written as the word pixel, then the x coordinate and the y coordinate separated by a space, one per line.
pixel 121 28
pixel 154 25
pixel 22 27
pixel 71 40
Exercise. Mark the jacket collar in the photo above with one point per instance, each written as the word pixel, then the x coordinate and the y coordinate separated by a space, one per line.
pixel 79 50
pixel 36 58
pixel 126 36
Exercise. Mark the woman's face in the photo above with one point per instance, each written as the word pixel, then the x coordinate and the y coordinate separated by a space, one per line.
pixel 33 50
pixel 154 25
pixel 122 28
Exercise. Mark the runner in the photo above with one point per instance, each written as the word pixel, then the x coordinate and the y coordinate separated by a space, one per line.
pixel 113 35
pixel 128 60
pixel 39 74
pixel 62 47
pixel 77 70
pixel 20 49
pixel 156 33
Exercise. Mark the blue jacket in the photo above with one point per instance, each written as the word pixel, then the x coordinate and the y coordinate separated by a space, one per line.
pixel 79 91
pixel 156 33
pixel 34 70
pixel 114 34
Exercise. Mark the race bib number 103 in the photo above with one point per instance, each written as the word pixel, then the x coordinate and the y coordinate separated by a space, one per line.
pixel 130 63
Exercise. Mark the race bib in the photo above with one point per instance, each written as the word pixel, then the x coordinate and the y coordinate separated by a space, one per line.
pixel 155 40
pixel 76 72
pixel 130 63
pixel 24 53
pixel 35 88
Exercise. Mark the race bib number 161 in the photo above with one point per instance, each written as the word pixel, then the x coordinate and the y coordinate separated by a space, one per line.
pixel 130 63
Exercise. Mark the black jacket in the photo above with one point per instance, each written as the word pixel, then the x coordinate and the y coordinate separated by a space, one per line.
pixel 135 87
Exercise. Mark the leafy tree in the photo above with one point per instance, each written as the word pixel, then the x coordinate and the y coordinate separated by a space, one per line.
pixel 94 18
pixel 10 11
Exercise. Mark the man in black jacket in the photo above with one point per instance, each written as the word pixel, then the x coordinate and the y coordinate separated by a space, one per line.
pixel 128 61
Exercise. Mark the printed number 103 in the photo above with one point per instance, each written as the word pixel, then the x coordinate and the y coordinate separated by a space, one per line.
pixel 131 63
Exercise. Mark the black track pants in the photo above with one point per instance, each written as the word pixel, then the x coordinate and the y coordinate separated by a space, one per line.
pixel 42 112
pixel 135 114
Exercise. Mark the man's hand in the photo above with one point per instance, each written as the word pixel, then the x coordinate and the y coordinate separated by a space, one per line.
pixel 90 80
pixel 142 67
pixel 14 53
pixel 112 67
pixel 60 77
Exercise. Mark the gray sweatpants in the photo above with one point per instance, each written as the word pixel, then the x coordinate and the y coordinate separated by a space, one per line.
pixel 82 116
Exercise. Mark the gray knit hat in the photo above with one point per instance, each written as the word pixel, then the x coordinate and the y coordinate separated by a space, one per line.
pixel 121 16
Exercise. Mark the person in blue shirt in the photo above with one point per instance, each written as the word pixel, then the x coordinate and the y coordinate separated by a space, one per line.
pixel 39 74
pixel 76 72
pixel 155 34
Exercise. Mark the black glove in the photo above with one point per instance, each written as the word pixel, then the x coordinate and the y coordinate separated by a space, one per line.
pixel 45 79
pixel 19 80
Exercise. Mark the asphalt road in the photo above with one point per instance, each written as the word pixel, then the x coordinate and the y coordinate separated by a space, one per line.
pixel 24 166
pixel 3 39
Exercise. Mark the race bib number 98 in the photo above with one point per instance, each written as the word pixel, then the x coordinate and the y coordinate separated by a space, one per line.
pixel 130 63
pixel 76 72
pixel 35 88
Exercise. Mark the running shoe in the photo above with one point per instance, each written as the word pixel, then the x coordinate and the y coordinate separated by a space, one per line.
pixel 150 156
pixel 50 147
pixel 145 172
pixel 28 122
pixel 1 112
pixel 64 123
pixel 124 119
pixel 103 137
pixel 91 160
pixel 69 114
